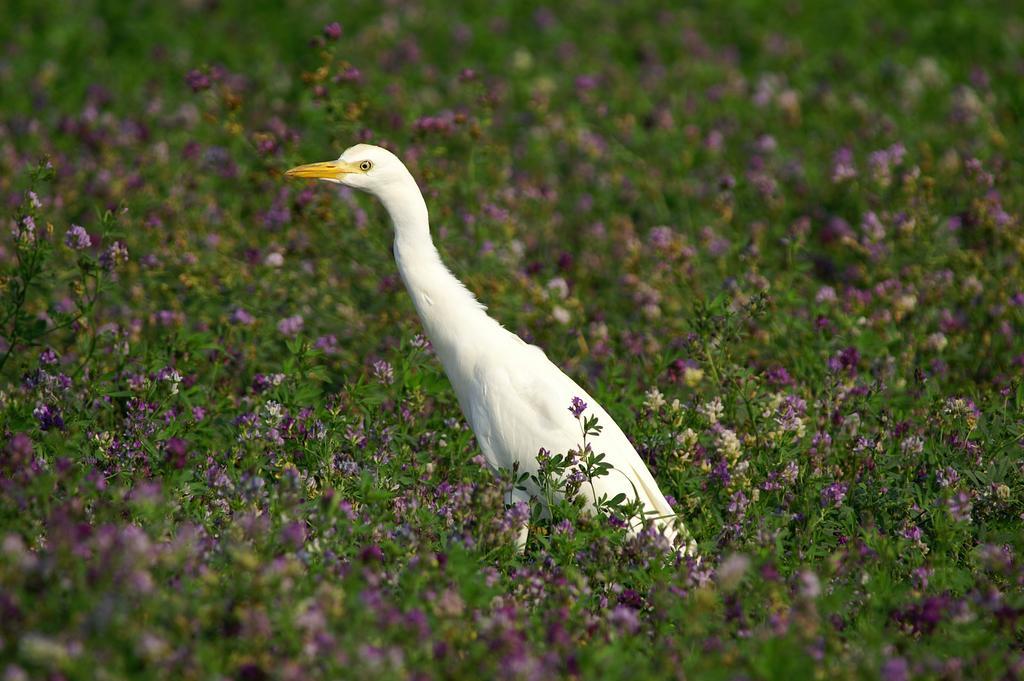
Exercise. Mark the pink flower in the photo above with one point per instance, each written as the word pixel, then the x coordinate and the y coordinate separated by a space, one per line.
pixel 291 326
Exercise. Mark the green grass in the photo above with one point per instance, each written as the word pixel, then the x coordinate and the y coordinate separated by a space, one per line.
pixel 189 489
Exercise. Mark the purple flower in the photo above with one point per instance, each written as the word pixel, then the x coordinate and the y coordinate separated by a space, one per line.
pixel 349 74
pixel 896 153
pixel 48 357
pixel 240 316
pixel 834 494
pixel 947 477
pixel 77 239
pixel 624 618
pixel 766 144
pixel 895 669
pixel 912 532
pixel 662 238
pixel 332 31
pixel 778 376
pixel 291 326
pixel 49 417
pixel 168 318
pixel 577 407
pixel 260 383
pixel 585 82
pixel 977 172
pixel 515 517
pixel 294 534
pixel 738 503
pixel 922 617
pixel 372 554
pixel 847 360
pixel 960 507
pixel 843 167
pixel 715 140
pixel 883 160
pixel 919 576
pixel 879 163
pixel 279 214
pixel 177 452
pixel 25 230
pixel 197 80
pixel 720 472
pixel 19 447
pixel 383 372
pixel 328 344
pixel 442 123
pixel 872 226
pixel 990 556
pixel 116 254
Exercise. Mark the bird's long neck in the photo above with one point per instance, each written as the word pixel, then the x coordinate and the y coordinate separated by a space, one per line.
pixel 450 313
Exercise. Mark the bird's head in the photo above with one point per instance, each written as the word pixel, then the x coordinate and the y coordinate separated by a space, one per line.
pixel 364 166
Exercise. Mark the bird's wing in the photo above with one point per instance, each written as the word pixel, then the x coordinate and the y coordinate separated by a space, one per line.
pixel 512 417
pixel 523 405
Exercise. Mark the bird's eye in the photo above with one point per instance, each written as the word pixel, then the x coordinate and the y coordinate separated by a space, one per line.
pixel 365 166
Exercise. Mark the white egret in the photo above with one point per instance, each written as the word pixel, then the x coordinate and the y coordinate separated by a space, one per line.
pixel 515 399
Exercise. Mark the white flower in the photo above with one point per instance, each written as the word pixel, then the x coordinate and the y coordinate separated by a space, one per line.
pixel 174 378
pixel 687 438
pixel 826 294
pixel 852 423
pixel 937 341
pixel 712 410
pixel 559 288
pixel 599 330
pixel 905 303
pixel 973 285
pixel 728 444
pixel 272 412
pixel 561 315
pixel 912 444
pixel 730 572
pixel 654 400
pixel 809 585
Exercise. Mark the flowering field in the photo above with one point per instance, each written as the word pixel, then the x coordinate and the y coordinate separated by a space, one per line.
pixel 782 246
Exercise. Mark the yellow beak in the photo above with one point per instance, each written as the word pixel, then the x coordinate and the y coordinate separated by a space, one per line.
pixel 327 170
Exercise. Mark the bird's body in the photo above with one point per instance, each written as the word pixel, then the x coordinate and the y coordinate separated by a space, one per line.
pixel 515 399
